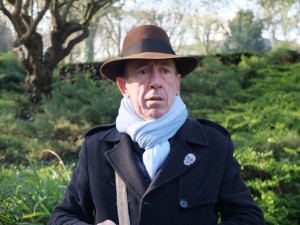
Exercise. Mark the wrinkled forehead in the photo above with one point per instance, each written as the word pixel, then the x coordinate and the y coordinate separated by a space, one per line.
pixel 136 63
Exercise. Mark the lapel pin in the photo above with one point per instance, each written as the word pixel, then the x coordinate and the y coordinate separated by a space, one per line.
pixel 189 159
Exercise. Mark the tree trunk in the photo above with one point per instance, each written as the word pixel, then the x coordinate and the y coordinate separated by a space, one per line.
pixel 40 66
pixel 38 78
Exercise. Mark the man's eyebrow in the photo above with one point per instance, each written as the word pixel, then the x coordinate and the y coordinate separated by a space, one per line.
pixel 140 63
pixel 165 63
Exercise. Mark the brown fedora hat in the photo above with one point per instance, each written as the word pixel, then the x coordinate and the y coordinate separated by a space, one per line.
pixel 147 42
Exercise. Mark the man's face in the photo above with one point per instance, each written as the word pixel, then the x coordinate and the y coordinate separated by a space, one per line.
pixel 151 86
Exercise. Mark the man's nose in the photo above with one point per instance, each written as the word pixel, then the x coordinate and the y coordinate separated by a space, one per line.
pixel 155 80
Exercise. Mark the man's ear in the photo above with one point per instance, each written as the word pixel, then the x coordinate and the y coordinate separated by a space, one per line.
pixel 121 82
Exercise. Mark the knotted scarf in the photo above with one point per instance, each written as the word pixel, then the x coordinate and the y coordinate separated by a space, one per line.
pixel 151 135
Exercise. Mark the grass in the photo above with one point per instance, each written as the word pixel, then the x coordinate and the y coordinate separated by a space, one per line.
pixel 29 193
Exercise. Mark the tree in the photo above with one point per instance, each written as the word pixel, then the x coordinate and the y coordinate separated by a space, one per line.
pixel 174 17
pixel 115 24
pixel 280 16
pixel 205 28
pixel 169 15
pixel 245 33
pixel 102 26
pixel 112 27
pixel 108 31
pixel 69 26
pixel 171 21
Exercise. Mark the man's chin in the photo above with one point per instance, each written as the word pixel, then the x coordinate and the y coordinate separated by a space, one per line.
pixel 154 114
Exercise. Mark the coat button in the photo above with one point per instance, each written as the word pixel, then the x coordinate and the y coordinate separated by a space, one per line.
pixel 183 203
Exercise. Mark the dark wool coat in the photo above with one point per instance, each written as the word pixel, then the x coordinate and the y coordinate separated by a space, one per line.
pixel 181 193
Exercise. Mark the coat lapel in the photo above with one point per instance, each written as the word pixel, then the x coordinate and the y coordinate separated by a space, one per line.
pixel 122 159
pixel 182 156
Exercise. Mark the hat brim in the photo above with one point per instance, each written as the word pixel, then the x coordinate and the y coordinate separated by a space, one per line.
pixel 115 68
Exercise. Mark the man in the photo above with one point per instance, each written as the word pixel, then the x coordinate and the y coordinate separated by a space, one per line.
pixel 155 166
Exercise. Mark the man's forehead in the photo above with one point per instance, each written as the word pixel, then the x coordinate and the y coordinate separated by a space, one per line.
pixel 143 62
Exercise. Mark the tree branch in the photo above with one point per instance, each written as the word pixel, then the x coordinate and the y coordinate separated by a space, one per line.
pixel 67 9
pixel 26 6
pixel 18 8
pixel 12 2
pixel 5 11
pixel 55 16
pixel 10 16
pixel 33 26
pixel 93 9
pixel 76 40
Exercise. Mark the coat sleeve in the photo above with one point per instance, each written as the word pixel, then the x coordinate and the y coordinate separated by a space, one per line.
pixel 236 205
pixel 76 206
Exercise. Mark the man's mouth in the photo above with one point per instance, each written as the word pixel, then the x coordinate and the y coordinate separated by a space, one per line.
pixel 155 98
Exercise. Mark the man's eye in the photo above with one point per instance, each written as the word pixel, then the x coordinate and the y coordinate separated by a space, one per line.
pixel 142 71
pixel 165 71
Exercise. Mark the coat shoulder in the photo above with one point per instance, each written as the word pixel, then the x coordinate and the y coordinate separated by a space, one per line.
pixel 99 129
pixel 214 125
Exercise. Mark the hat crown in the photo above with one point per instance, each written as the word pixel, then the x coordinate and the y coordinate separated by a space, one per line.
pixel 148 42
pixel 146 38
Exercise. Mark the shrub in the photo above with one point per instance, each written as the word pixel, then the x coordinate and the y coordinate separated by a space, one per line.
pixel 265 129
pixel 273 181
pixel 11 73
pixel 29 193
pixel 61 122
pixel 212 86
pixel 282 56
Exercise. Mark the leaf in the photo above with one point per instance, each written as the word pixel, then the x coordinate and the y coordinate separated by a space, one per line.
pixel 5 219
pixel 31 215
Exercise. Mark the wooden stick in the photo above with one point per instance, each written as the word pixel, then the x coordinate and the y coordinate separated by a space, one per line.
pixel 122 202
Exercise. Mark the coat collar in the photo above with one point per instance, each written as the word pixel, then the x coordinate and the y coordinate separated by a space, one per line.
pixel 190 134
pixel 183 133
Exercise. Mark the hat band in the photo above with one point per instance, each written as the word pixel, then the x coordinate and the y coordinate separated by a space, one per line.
pixel 147 45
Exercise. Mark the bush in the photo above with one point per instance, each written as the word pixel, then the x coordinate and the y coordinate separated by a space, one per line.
pixel 264 123
pixel 274 181
pixel 213 86
pixel 282 56
pixel 29 193
pixel 11 73
pixel 62 120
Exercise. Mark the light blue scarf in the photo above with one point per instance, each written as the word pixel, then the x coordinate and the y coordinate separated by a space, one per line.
pixel 152 135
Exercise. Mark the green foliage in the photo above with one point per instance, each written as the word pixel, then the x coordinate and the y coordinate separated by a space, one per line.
pixel 29 193
pixel 276 184
pixel 67 71
pixel 256 98
pixel 73 109
pixel 211 87
pixel 63 118
pixel 12 137
pixel 90 100
pixel 265 126
pixel 282 55
pixel 263 116
pixel 11 73
pixel 245 33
